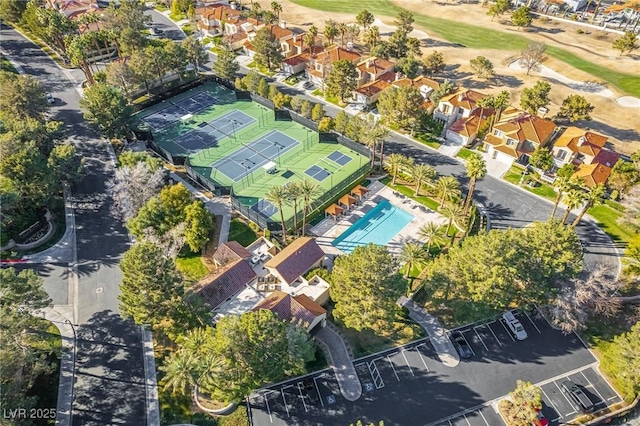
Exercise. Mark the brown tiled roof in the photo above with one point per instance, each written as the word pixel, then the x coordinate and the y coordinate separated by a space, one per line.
pixel 279 32
pixel 225 282
pixel 593 174
pixel 468 126
pixel 591 143
pixel 296 259
pixel 464 98
pixel 230 252
pixel 507 150
pixel 375 65
pixel 220 12
pixel 335 53
pixel 607 157
pixel 297 59
pixel 373 88
pixel 526 127
pixel 231 38
pixel 298 309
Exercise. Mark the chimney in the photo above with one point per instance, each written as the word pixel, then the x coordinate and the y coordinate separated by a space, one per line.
pixel 581 141
pixel 397 76
pixel 368 63
pixel 283 24
pixel 295 38
pixel 460 97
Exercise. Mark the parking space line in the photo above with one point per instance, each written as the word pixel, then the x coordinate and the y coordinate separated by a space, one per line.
pixel 481 341
pixel 393 368
pixel 532 323
pixel 465 339
pixel 318 390
pixel 466 419
pixel 594 388
pixel 613 397
pixel 373 376
pixel 266 402
pixel 550 400
pixel 450 424
pixel 494 334
pixel 507 330
pixel 565 397
pixel 285 402
pixel 302 398
pixel 408 365
pixel 421 357
pixel 485 420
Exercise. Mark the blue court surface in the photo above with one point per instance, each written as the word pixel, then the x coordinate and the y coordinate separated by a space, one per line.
pixel 209 133
pixel 254 155
pixel 339 157
pixel 317 172
pixel 175 111
pixel 265 208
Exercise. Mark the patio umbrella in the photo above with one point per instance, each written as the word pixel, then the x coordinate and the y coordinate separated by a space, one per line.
pixel 334 210
pixel 347 200
pixel 359 191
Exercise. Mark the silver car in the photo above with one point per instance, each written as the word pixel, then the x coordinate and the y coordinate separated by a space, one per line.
pixel 514 325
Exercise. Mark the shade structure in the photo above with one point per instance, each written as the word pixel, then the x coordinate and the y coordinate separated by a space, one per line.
pixel 359 191
pixel 347 200
pixel 334 210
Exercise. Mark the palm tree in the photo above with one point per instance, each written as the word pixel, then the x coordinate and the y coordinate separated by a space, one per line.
pixel 308 191
pixel 451 212
pixel 476 169
pixel 277 195
pixel 312 33
pixel 294 192
pixel 309 39
pixel 330 30
pixel 593 197
pixel 382 134
pixel 562 184
pixel 343 29
pixel 276 8
pixel 448 189
pixel 396 161
pixel 500 103
pixel 572 199
pixel 422 173
pixel 432 234
pixel 179 371
pixel 412 254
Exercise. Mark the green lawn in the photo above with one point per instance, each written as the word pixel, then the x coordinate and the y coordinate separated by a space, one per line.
pixel 607 218
pixel 190 264
pixel 427 139
pixel 405 190
pixel 241 232
pixel 464 153
pixel 543 189
pixel 476 37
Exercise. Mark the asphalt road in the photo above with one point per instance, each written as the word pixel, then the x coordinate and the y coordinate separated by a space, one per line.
pixel 108 387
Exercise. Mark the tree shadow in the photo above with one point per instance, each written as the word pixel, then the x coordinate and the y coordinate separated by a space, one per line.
pixel 508 81
pixel 623 135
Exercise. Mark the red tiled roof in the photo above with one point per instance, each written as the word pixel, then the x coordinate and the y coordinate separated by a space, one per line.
pixel 464 98
pixel 375 65
pixel 607 157
pixel 225 282
pixel 581 141
pixel 335 53
pixel 373 88
pixel 593 174
pixel 298 309
pixel 297 59
pixel 296 259
pixel 468 126
pixel 279 32
pixel 527 127
pixel 230 252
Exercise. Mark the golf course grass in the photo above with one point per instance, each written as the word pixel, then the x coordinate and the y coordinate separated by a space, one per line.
pixel 479 38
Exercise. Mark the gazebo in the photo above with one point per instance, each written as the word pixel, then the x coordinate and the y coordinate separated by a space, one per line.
pixel 334 210
pixel 347 201
pixel 359 191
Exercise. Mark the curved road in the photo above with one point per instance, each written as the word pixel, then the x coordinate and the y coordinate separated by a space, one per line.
pixel 109 383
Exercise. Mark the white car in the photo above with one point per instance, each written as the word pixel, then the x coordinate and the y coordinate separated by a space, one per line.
pixel 50 98
pixel 514 325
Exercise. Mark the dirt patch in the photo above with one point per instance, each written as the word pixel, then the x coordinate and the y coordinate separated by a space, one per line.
pixel 618 122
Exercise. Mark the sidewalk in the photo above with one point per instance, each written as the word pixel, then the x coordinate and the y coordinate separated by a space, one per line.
pixel 441 343
pixel 341 362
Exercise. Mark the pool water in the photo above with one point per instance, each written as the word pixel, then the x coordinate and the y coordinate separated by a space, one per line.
pixel 378 226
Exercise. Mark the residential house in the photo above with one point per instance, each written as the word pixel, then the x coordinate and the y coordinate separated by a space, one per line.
pixel 211 18
pixel 457 105
pixel 586 150
pixel 300 309
pixel 73 9
pixel 238 30
pixel 517 135
pixel 295 260
pixel 368 93
pixel 371 69
pixel 319 65
pixel 465 130
pixel 290 40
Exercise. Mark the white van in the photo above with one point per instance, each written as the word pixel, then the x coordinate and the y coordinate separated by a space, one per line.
pixel 514 325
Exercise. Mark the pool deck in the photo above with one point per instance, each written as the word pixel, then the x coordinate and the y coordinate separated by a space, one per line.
pixel 330 229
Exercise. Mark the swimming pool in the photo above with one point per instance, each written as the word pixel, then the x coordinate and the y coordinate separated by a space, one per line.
pixel 378 226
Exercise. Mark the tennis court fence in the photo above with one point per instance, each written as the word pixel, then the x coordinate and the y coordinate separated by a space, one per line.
pixel 317 206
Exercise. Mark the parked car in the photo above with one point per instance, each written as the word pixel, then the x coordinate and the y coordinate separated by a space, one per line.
pixel 308 85
pixel 311 392
pixel 514 325
pixel 461 345
pixel 50 98
pixel 579 398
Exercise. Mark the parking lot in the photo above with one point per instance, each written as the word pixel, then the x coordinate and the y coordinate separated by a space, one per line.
pixel 409 385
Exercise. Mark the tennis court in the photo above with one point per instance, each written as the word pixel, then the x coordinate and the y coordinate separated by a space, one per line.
pixel 265 209
pixel 180 110
pixel 208 134
pixel 317 172
pixel 339 158
pixel 254 155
